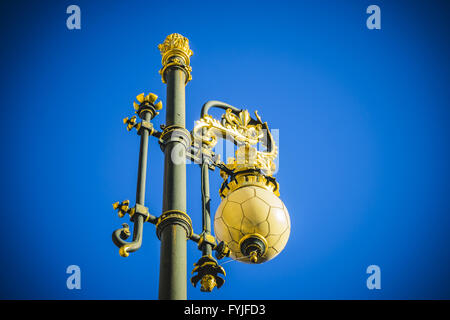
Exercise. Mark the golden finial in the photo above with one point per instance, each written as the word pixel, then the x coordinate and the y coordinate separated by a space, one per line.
pixel 175 51
pixel 208 283
pixel 123 251
pixel 254 256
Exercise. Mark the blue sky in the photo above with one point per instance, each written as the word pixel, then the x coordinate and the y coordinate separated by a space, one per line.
pixel 364 142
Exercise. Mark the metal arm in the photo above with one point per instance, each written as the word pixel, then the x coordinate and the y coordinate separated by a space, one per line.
pixel 124 233
pixel 207 271
pixel 206 209
pixel 217 104
pixel 139 214
pixel 208 243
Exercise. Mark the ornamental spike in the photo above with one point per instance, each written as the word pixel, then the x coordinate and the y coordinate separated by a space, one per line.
pixel 140 97
pixel 159 105
pixel 151 97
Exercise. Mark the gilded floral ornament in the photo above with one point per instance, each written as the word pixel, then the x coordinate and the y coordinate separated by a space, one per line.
pixel 245 132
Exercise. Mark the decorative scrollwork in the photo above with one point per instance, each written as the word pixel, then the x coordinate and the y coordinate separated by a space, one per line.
pixel 243 131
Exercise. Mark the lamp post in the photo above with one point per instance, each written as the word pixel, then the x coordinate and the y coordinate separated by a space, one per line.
pixel 251 224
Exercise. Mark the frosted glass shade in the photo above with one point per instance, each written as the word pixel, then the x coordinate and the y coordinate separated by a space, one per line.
pixel 252 210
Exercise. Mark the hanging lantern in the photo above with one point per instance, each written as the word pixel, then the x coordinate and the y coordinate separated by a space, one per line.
pixel 251 220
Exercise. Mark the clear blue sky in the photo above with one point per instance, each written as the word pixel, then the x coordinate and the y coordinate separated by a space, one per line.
pixel 364 141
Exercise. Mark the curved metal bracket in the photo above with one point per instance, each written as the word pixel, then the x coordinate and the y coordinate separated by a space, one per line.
pixel 120 235
pixel 217 104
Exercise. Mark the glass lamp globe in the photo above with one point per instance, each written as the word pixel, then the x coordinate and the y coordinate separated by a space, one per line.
pixel 253 222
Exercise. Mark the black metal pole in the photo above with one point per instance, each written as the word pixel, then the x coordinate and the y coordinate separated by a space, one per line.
pixel 174 227
pixel 172 277
pixel 142 168
pixel 206 208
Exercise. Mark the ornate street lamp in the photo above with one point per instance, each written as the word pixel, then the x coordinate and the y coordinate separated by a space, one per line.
pixel 251 223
